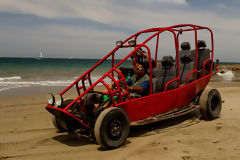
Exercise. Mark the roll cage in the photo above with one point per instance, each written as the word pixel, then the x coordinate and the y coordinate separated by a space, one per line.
pixel 176 30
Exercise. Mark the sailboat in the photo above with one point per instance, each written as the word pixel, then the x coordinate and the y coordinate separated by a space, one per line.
pixel 40 56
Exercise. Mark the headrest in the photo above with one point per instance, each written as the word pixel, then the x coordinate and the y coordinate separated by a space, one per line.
pixel 201 44
pixel 167 61
pixel 145 63
pixel 185 46
pixel 186 58
pixel 91 98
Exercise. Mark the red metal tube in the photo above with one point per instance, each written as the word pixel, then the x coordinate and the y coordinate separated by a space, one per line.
pixel 165 88
pixel 195 70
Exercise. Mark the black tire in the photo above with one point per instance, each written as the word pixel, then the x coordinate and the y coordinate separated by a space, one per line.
pixel 60 125
pixel 210 104
pixel 112 128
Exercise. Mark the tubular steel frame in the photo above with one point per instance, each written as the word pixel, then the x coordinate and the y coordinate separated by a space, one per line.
pixel 176 30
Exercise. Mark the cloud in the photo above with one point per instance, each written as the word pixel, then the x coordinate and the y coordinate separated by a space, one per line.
pixel 75 24
pixel 93 10
pixel 58 41
pixel 182 2
pixel 100 11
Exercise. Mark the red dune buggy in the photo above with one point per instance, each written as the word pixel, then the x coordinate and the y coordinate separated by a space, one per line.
pixel 177 86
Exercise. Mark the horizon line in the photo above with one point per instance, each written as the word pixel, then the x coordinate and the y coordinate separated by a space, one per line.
pixel 89 59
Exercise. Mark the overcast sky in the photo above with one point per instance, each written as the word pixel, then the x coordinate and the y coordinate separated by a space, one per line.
pixel 89 28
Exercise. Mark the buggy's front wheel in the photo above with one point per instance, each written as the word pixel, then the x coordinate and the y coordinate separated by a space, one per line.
pixel 112 128
pixel 59 124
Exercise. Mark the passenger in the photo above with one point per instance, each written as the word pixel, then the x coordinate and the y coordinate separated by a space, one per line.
pixel 144 58
pixel 138 84
pixel 141 58
pixel 106 99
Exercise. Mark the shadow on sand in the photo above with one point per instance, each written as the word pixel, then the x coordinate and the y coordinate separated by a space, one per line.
pixel 136 131
pixel 73 140
pixel 165 125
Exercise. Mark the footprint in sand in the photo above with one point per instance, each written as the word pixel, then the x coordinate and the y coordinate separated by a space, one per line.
pixel 218 128
pixel 165 148
pixel 186 158
pixel 216 142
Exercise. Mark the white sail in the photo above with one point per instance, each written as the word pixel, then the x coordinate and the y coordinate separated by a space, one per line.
pixel 41 55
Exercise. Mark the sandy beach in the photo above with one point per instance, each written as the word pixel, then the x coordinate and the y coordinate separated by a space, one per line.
pixel 172 47
pixel 27 133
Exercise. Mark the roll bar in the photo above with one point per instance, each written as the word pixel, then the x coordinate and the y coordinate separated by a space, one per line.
pixel 176 30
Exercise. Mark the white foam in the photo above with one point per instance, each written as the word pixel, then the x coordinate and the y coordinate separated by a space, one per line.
pixel 40 83
pixel 10 78
pixel 7 88
pixel 15 82
pixel 227 75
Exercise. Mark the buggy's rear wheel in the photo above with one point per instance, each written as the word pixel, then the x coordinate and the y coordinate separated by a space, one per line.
pixel 112 128
pixel 210 104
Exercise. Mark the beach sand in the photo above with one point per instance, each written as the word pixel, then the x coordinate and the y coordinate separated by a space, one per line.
pixel 27 133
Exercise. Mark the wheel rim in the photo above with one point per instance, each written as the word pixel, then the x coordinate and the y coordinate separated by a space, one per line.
pixel 114 130
pixel 214 103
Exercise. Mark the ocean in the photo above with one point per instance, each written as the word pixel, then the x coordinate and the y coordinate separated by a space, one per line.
pixel 49 72
pixel 26 72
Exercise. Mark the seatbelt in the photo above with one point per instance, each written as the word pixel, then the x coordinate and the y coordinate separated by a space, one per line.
pixel 199 57
pixel 182 72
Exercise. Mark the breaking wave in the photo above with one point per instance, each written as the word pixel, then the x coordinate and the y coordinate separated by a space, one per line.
pixel 7 83
pixel 226 75
pixel 10 78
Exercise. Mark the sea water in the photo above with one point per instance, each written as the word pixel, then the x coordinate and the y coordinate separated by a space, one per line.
pixel 26 72
pixel 32 72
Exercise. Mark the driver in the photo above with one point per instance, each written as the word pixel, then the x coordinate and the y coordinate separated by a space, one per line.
pixel 138 84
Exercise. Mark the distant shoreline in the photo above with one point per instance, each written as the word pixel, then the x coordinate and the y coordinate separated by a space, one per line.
pixel 233 67
pixel 220 63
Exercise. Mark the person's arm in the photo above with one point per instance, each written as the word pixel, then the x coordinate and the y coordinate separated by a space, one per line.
pixel 136 89
pixel 124 69
pixel 144 55
pixel 143 88
pixel 111 85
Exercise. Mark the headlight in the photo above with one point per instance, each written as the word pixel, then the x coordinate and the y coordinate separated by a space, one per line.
pixel 59 100
pixel 119 43
pixel 51 99
pixel 132 43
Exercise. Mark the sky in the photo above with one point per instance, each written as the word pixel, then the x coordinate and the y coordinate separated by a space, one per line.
pixel 89 28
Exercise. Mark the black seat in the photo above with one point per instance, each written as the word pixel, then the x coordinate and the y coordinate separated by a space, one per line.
pixel 154 72
pixel 146 65
pixel 185 46
pixel 203 54
pixel 154 85
pixel 166 73
pixel 187 60
pixel 186 66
